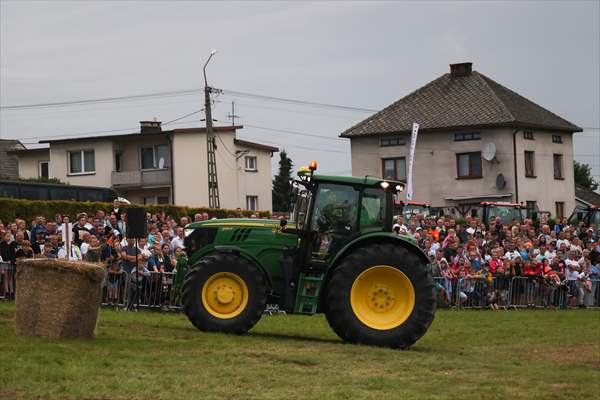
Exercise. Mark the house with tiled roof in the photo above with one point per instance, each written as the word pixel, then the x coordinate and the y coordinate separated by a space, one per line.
pixel 478 141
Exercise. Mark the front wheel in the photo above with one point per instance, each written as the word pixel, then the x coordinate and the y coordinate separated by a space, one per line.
pixel 380 295
pixel 224 293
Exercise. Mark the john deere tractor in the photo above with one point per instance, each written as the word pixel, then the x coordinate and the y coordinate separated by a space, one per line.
pixel 336 255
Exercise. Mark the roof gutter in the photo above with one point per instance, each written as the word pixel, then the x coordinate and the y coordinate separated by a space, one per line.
pixel 514 135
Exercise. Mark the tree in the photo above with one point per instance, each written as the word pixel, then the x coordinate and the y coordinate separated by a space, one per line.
pixel 583 176
pixel 281 184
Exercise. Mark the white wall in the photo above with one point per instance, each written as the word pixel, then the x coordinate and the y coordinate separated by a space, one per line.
pixel 104 160
pixel 191 177
pixel 29 163
pixel 544 188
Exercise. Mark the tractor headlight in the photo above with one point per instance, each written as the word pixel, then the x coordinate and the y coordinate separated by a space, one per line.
pixel 399 188
pixel 384 185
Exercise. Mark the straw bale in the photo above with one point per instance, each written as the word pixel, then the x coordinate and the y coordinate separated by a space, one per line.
pixel 57 298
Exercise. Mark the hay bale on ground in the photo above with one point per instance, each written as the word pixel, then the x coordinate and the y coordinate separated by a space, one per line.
pixel 57 298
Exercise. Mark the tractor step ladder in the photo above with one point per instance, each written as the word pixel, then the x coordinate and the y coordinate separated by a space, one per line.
pixel 309 287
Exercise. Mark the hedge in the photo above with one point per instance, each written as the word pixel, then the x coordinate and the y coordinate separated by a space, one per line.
pixel 29 209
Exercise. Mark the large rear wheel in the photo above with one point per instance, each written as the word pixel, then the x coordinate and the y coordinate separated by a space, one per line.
pixel 380 295
pixel 224 293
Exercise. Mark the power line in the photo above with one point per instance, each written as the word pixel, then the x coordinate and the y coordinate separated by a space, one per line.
pixel 234 93
pixel 174 93
pixel 102 100
pixel 295 133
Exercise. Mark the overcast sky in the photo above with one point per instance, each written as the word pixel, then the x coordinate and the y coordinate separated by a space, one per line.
pixel 362 54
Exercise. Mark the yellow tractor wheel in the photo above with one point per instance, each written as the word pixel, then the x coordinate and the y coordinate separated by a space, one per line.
pixel 224 293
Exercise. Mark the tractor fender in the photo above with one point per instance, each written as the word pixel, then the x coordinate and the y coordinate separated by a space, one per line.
pixel 379 237
pixel 242 253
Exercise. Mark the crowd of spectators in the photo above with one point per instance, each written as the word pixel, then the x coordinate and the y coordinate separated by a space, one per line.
pixel 469 260
pixel 554 265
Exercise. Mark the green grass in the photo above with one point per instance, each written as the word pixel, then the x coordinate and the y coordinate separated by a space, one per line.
pixel 465 354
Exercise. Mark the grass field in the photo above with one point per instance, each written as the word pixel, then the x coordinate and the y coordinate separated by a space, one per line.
pixel 465 354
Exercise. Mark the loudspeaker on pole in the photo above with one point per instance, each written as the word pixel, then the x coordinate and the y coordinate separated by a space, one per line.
pixel 136 223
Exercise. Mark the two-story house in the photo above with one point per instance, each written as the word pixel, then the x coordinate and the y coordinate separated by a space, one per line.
pixel 478 141
pixel 160 166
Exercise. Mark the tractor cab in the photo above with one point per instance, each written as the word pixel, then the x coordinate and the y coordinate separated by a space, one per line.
pixel 409 208
pixel 508 212
pixel 330 211
pixel 589 214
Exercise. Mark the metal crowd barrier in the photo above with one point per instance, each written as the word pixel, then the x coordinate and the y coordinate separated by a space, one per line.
pixel 515 292
pixel 7 280
pixel 155 291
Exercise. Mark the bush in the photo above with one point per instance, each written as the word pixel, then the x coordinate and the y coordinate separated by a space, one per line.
pixel 29 209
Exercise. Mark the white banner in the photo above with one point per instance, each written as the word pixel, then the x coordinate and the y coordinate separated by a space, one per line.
pixel 67 232
pixel 411 157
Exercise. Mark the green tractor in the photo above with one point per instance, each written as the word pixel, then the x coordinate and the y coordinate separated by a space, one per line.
pixel 336 255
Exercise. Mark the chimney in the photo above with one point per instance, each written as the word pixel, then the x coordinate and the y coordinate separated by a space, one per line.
pixel 150 126
pixel 461 69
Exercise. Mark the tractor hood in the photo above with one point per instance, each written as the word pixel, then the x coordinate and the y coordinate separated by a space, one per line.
pixel 241 222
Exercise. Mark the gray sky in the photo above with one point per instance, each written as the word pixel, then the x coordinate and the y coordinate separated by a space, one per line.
pixel 362 54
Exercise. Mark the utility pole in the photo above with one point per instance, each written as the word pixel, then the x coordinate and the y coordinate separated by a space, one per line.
pixel 232 116
pixel 213 183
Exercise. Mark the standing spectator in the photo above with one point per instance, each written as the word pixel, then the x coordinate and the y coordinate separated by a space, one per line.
pixel 128 255
pixel 79 229
pixel 75 252
pixel 177 241
pixel 116 211
pixel 49 251
pixel 25 251
pixel 8 248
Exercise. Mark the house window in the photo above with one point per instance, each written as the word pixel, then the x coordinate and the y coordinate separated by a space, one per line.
pixel 119 162
pixel 468 165
pixel 394 168
pixel 560 209
pixel 250 164
pixel 556 139
pixel 530 206
pixel 82 162
pixel 392 141
pixel 252 203
pixel 530 164
pixel 461 137
pixel 155 157
pixel 528 135
pixel 156 200
pixel 558 164
pixel 43 169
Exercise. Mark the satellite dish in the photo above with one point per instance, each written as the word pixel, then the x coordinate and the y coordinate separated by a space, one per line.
pixel 161 163
pixel 500 181
pixel 489 151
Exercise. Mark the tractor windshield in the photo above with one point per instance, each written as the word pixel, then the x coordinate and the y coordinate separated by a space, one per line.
pixel 298 214
pixel 506 213
pixel 414 209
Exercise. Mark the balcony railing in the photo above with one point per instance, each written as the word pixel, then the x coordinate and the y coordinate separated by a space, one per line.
pixel 141 178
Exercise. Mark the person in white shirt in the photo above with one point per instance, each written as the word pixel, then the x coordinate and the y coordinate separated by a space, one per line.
pixel 75 253
pixel 177 240
pixel 85 243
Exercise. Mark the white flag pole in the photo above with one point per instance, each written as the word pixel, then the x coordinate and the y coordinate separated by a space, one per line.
pixel 413 144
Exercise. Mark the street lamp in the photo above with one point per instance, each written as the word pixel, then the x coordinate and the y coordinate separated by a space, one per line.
pixel 212 53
